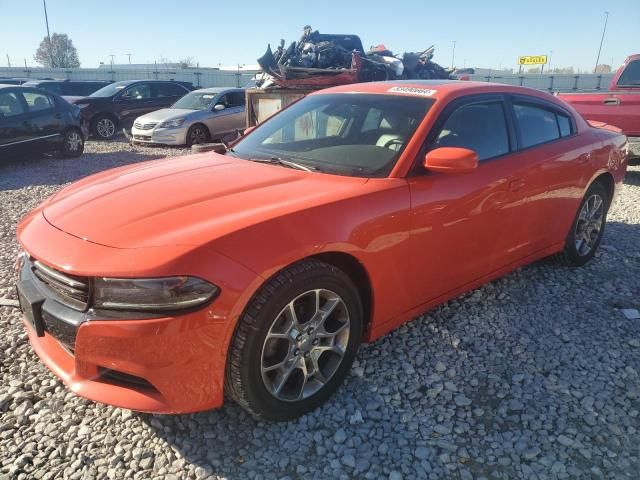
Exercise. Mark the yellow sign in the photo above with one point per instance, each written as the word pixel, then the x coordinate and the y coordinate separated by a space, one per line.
pixel 533 60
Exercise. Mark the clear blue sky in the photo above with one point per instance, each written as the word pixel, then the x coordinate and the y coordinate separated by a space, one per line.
pixel 488 33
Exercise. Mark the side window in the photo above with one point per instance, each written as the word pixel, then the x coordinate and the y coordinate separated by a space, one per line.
pixel 38 101
pixel 238 99
pixel 481 127
pixel 137 92
pixel 630 76
pixel 232 99
pixel 168 90
pixel 10 105
pixel 537 125
pixel 564 124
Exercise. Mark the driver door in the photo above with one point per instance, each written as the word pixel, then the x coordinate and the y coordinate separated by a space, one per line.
pixel 136 101
pixel 230 118
pixel 460 222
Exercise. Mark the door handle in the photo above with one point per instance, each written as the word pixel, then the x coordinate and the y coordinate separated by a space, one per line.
pixel 611 101
pixel 58 116
pixel 26 124
pixel 584 158
pixel 517 184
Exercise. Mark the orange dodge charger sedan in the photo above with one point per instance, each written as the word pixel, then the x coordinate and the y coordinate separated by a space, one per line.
pixel 159 286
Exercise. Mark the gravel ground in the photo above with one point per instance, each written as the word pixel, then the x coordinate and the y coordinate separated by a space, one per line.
pixel 532 376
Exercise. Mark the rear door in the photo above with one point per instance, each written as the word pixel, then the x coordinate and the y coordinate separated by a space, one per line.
pixel 45 121
pixel 549 172
pixel 626 102
pixel 14 130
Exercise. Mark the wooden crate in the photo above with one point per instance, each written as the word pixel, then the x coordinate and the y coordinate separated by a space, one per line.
pixel 262 103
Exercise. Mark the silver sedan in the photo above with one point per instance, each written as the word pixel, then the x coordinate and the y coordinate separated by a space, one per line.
pixel 199 117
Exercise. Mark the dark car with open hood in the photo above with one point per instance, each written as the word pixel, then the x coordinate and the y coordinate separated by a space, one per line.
pixel 33 120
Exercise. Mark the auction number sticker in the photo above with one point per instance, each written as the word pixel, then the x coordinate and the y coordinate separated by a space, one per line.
pixel 425 92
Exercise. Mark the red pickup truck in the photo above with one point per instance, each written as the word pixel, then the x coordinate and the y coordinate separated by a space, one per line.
pixel 618 106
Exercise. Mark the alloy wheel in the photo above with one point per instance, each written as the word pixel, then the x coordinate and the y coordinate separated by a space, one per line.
pixel 589 224
pixel 198 135
pixel 106 128
pixel 74 141
pixel 305 345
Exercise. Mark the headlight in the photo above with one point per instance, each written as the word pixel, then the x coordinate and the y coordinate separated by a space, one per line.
pixel 166 293
pixel 172 123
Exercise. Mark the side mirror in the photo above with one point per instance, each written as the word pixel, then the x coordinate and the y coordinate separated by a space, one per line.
pixel 218 107
pixel 451 160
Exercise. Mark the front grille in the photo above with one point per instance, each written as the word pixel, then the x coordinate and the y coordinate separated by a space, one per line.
pixel 144 126
pixel 71 290
pixel 62 331
pixel 146 138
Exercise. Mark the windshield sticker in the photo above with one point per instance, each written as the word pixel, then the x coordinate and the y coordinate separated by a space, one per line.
pixel 425 92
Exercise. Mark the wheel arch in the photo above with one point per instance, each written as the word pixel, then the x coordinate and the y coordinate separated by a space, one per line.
pixel 357 272
pixel 96 116
pixel 607 181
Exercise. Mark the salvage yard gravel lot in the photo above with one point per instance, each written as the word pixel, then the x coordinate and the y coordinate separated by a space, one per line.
pixel 534 375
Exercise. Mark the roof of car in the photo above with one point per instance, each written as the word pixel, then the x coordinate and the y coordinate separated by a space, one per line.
pixel 429 88
pixel 217 89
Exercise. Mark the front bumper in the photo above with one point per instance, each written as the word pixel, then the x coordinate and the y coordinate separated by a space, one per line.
pixel 163 136
pixel 153 365
pixel 169 364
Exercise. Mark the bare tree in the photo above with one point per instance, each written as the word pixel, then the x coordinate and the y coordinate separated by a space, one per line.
pixel 59 53
pixel 603 68
pixel 187 62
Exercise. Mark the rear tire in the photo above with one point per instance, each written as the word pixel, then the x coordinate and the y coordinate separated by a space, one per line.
pixel 587 228
pixel 104 126
pixel 316 344
pixel 72 144
pixel 198 134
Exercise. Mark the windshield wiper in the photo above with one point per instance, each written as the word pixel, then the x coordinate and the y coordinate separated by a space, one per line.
pixel 285 163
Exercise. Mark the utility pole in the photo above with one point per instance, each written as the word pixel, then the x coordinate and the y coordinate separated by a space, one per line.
pixel 129 55
pixel 8 61
pixel 549 62
pixel 46 20
pixel 112 55
pixel 606 18
pixel 453 55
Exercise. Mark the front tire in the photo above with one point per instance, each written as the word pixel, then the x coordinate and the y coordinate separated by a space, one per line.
pixel 588 227
pixel 72 144
pixel 104 127
pixel 295 342
pixel 198 134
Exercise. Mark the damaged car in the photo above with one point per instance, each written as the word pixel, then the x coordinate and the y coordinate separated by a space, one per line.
pixel 320 59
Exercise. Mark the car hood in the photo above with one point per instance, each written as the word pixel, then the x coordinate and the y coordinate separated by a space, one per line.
pixel 165 114
pixel 85 100
pixel 187 201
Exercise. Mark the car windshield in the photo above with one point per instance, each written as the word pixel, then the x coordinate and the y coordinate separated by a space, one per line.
pixel 110 90
pixel 195 101
pixel 352 134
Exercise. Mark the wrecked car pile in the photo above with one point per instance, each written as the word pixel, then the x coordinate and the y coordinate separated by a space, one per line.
pixel 322 60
